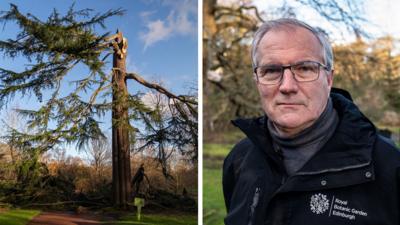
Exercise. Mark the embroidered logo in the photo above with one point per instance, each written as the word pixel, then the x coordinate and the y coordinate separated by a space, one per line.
pixel 319 203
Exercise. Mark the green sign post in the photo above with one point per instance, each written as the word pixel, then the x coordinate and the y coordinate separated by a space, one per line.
pixel 139 203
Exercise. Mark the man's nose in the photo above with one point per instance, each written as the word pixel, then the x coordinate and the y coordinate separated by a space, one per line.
pixel 288 83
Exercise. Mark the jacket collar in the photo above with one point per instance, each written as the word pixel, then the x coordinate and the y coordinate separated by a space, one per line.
pixel 349 147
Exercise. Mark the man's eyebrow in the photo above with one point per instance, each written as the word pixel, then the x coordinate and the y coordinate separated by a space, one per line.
pixel 272 63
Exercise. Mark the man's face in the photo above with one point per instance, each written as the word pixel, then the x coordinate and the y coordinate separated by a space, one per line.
pixel 290 105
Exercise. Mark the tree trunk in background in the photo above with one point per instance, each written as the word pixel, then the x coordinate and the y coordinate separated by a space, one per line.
pixel 209 30
pixel 121 175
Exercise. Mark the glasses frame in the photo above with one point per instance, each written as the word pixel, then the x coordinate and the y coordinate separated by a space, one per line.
pixel 290 67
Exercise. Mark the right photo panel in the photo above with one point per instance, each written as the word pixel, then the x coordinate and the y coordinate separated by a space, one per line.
pixel 301 119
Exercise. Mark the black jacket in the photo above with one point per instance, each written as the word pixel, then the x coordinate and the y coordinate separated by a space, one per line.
pixel 353 179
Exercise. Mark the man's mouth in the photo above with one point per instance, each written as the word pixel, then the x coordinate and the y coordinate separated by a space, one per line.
pixel 288 103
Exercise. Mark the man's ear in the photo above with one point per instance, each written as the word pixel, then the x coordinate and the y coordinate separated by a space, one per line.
pixel 330 77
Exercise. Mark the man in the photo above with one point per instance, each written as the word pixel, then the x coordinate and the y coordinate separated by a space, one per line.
pixel 314 158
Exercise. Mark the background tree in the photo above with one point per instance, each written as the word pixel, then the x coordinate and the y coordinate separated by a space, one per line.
pixel 370 70
pixel 54 47
pixel 99 155
pixel 226 62
pixel 169 130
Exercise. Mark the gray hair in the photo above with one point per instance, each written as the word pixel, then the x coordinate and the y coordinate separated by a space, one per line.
pixel 285 22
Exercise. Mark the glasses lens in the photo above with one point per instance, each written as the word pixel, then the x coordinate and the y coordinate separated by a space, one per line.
pixel 306 71
pixel 269 74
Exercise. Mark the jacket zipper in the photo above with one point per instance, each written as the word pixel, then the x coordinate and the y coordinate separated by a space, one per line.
pixel 254 204
pixel 335 169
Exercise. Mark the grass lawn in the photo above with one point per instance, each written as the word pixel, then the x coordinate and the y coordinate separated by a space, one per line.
pixel 158 219
pixel 213 201
pixel 216 150
pixel 17 216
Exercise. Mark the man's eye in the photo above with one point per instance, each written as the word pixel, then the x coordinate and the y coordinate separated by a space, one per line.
pixel 271 70
pixel 305 68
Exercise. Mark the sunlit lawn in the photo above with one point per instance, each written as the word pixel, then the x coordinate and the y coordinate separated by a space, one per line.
pixel 22 217
pixel 158 219
pixel 216 150
pixel 213 202
pixel 17 216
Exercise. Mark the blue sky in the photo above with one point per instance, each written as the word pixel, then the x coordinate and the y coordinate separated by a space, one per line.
pixel 162 40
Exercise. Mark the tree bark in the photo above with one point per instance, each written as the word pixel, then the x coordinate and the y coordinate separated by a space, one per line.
pixel 120 126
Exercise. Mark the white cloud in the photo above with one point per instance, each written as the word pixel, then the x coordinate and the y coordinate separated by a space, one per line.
pixel 179 22
pixel 157 31
pixel 146 14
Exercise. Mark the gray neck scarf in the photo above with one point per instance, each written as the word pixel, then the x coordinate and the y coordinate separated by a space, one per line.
pixel 297 150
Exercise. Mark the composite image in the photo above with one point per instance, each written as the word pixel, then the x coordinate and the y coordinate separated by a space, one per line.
pixel 212 112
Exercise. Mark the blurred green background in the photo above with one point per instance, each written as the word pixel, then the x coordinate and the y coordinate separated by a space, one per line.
pixel 213 157
pixel 213 201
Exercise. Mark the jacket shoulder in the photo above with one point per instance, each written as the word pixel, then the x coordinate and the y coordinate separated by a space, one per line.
pixel 238 152
pixel 234 158
pixel 231 168
pixel 386 152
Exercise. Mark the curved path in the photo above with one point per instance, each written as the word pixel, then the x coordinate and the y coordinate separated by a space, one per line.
pixel 64 218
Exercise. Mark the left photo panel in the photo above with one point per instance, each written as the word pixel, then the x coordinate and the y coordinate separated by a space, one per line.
pixel 99 112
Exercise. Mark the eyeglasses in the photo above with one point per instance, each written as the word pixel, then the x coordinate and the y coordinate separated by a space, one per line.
pixel 305 71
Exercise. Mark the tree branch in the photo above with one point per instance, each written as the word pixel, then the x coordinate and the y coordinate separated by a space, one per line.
pixel 158 88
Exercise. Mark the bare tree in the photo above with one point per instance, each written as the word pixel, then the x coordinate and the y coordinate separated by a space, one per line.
pixel 99 154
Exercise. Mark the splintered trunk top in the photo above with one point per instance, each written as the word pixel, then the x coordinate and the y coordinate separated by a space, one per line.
pixel 120 126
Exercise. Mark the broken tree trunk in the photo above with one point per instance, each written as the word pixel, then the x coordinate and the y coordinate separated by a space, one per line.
pixel 121 174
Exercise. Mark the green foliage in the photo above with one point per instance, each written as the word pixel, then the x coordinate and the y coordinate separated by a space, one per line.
pixel 30 170
pixel 69 183
pixel 54 47
pixel 29 182
pixel 17 216
pixel 57 45
pixel 32 181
